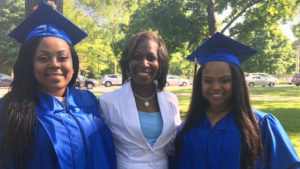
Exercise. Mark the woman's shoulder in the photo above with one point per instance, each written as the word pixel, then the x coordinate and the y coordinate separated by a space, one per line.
pixel 83 95
pixel 268 123
pixel 111 94
pixel 116 93
pixel 263 117
pixel 169 95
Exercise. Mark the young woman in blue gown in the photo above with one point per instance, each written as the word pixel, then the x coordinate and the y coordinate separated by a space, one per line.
pixel 46 123
pixel 221 130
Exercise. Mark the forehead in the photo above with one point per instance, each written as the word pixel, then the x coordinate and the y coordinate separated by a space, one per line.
pixel 148 44
pixel 48 42
pixel 217 68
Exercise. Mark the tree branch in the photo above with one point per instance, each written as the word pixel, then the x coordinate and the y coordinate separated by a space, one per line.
pixel 246 27
pixel 239 14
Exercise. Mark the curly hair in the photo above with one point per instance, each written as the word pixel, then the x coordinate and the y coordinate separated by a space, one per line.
pixel 18 115
pixel 251 143
pixel 128 55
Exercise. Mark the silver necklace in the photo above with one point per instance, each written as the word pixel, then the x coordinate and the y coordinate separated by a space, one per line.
pixel 145 99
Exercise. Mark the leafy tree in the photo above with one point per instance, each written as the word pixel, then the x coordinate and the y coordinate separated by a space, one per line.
pixel 30 5
pixel 95 51
pixel 188 23
pixel 275 53
pixel 11 13
pixel 110 15
pixel 180 66
pixel 296 30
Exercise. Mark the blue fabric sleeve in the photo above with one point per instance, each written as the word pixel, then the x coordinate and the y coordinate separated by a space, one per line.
pixel 279 152
pixel 106 136
pixel 0 122
pixel 172 159
pixel 109 149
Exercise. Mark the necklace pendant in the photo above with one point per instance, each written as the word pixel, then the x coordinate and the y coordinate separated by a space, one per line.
pixel 146 103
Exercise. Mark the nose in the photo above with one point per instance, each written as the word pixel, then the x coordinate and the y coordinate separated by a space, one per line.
pixel 54 64
pixel 216 86
pixel 144 62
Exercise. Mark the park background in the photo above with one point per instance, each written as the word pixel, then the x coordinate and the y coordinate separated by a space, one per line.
pixel 183 24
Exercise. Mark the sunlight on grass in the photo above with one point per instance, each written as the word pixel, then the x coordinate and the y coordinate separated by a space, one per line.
pixel 292 91
pixel 178 89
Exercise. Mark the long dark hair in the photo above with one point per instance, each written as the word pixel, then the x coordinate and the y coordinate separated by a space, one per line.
pixel 18 115
pixel 251 144
pixel 128 55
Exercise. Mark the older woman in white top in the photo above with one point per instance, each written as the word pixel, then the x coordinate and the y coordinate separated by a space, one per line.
pixel 142 116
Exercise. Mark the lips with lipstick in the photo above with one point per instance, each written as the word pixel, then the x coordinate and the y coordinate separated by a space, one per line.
pixel 54 76
pixel 143 74
pixel 216 96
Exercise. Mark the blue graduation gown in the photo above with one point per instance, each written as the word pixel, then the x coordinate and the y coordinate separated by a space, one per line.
pixel 205 147
pixel 72 136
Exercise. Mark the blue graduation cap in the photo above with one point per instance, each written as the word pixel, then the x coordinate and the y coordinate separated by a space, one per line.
pixel 221 48
pixel 46 21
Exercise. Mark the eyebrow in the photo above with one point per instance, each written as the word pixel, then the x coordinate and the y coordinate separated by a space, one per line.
pixel 44 51
pixel 225 76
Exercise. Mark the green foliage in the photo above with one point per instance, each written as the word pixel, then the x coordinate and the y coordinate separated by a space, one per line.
pixel 184 25
pixel 275 53
pixel 109 16
pixel 94 51
pixel 173 21
pixel 11 14
pixel 178 65
pixel 296 31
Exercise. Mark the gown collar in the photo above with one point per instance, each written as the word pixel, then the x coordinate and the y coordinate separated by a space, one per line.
pixel 226 122
pixel 49 103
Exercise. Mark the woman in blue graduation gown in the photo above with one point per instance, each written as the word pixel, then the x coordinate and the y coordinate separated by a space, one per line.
pixel 221 130
pixel 45 122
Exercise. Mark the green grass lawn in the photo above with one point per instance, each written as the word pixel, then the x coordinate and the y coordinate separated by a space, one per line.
pixel 291 91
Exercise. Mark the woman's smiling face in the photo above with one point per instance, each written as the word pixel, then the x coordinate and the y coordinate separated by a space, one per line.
pixel 217 84
pixel 53 66
pixel 144 66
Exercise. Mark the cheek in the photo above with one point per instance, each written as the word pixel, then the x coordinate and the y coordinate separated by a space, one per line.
pixel 37 68
pixel 132 65
pixel 70 70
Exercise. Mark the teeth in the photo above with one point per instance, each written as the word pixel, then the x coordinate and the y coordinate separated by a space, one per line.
pixel 216 94
pixel 143 73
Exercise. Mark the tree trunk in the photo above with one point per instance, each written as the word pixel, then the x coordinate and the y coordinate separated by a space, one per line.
pixel 30 5
pixel 211 17
pixel 115 68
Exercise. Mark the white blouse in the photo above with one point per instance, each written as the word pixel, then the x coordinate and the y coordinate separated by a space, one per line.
pixel 119 111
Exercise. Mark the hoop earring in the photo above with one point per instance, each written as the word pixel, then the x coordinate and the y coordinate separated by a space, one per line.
pixel 129 74
pixel 155 81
